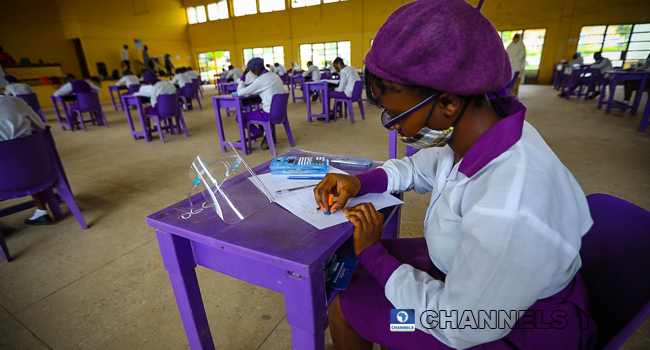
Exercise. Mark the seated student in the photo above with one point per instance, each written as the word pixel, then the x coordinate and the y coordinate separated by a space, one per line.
pixel 128 79
pixel 271 68
pixel 249 77
pixel 180 78
pixel 633 85
pixel 312 74
pixel 233 74
pixel 154 88
pixel 280 69
pixel 15 88
pixel 66 89
pixel 349 77
pixel 266 85
pixel 577 60
pixel 504 226
pixel 17 119
pixel 602 64
pixel 192 73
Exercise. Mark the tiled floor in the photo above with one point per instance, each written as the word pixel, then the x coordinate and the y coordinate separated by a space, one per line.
pixel 106 288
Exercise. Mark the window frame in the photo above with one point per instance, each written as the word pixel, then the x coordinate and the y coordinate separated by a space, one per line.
pixel 264 47
pixel 216 3
pixel 257 9
pixel 624 53
pixel 349 59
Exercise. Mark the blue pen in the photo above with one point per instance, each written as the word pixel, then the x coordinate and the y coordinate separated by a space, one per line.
pixel 305 178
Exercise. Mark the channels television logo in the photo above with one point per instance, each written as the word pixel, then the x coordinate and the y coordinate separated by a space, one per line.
pixel 402 320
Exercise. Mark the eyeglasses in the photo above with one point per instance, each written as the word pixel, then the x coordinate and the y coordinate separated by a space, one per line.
pixel 389 121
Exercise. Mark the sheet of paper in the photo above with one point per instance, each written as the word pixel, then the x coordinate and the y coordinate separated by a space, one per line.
pixel 275 183
pixel 331 81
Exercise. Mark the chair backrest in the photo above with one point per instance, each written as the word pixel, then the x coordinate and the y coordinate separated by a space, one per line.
pixel 168 105
pixel 80 86
pixel 31 100
pixel 28 165
pixel 358 89
pixel 285 78
pixel 615 257
pixel 88 101
pixel 513 81
pixel 279 105
pixel 189 90
pixel 134 88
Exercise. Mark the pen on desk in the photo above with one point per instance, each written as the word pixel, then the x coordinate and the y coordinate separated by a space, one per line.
pixel 293 189
pixel 305 178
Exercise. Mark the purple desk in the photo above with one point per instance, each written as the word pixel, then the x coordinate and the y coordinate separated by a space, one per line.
pixel 612 79
pixel 272 248
pixel 235 102
pixel 138 101
pixel 579 73
pixel 64 101
pixel 322 89
pixel 113 88
pixel 294 81
pixel 229 88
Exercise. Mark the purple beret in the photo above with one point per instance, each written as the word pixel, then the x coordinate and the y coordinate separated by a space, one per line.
pixel 10 79
pixel 149 77
pixel 256 63
pixel 445 45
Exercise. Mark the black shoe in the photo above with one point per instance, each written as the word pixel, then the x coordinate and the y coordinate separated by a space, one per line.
pixel 264 144
pixel 320 119
pixel 41 220
pixel 314 97
pixel 562 94
pixel 594 95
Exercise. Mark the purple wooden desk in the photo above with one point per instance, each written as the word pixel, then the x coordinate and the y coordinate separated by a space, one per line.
pixel 321 88
pixel 229 88
pixel 612 79
pixel 579 73
pixel 113 88
pixel 66 122
pixel 139 101
pixel 271 248
pixel 294 81
pixel 236 102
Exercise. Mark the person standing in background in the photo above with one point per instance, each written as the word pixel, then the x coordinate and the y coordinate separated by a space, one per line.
pixel 145 57
pixel 125 57
pixel 5 57
pixel 517 54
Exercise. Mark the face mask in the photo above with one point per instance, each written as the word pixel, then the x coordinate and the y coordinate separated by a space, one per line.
pixel 427 137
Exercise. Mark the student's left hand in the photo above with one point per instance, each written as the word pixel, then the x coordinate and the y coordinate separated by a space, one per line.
pixel 368 225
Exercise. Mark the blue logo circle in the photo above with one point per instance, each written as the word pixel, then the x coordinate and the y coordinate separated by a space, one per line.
pixel 402 317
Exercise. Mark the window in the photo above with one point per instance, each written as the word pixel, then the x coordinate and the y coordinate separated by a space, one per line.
pixel 244 7
pixel 270 55
pixel 534 41
pixel 196 14
pixel 214 62
pixel 218 10
pixel 328 1
pixel 320 53
pixel 271 5
pixel 303 3
pixel 623 44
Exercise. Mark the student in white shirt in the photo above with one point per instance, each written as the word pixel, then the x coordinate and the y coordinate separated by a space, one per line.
pixel 266 85
pixel 280 69
pixel 180 78
pixel 633 85
pixel 312 74
pixel 271 68
pixel 125 57
pixel 295 67
pixel 233 74
pixel 155 88
pixel 577 60
pixel 249 77
pixel 349 77
pixel 128 79
pixel 601 65
pixel 17 119
pixel 191 73
pixel 504 225
pixel 15 88
pixel 66 89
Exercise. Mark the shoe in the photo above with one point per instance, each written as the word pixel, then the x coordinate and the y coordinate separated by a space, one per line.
pixel 320 119
pixel 41 220
pixel 314 97
pixel 562 94
pixel 623 103
pixel 264 144
pixel 594 95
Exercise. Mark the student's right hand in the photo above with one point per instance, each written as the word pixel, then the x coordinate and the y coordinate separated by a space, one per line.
pixel 340 185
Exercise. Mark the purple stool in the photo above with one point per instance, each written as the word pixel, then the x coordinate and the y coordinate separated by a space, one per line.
pixel 349 101
pixel 278 115
pixel 166 111
pixel 32 166
pixel 616 266
pixel 88 102
pixel 190 91
pixel 295 80
pixel 32 101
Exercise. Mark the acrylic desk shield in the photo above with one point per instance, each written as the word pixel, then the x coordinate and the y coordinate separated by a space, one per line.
pixel 229 185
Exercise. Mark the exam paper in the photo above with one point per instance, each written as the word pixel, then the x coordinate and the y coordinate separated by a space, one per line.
pixel 275 183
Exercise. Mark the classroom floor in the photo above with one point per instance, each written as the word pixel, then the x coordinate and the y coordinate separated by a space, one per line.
pixel 106 288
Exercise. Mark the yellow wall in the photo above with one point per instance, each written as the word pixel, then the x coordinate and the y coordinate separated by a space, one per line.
pixel 359 20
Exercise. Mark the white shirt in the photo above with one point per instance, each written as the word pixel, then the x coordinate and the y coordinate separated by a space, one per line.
pixel 517 54
pixel 506 236
pixel 128 80
pixel 270 68
pixel 266 85
pixel 161 87
pixel 125 55
pixel 295 66
pixel 603 66
pixel 250 78
pixel 312 72
pixel 67 89
pixel 349 76
pixel 234 74
pixel 18 89
pixel 17 118
pixel 181 79
pixel 192 74
pixel 576 61
pixel 281 70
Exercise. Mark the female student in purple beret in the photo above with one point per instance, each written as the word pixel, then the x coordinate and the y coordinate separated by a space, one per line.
pixel 498 265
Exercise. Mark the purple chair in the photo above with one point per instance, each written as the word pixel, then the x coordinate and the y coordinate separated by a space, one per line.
pixel 356 97
pixel 88 102
pixel 616 267
pixel 166 111
pixel 33 165
pixel 32 101
pixel 199 87
pixel 219 84
pixel 134 88
pixel 278 115
pixel 190 91
pixel 506 90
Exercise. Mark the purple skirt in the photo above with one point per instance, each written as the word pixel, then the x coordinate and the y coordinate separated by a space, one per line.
pixel 366 308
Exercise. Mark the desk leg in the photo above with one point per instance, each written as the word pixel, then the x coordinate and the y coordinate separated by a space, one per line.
pixel 612 90
pixel 144 122
pixel 242 126
pixel 179 262
pixel 110 92
pixel 639 93
pixel 130 120
pixel 306 304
